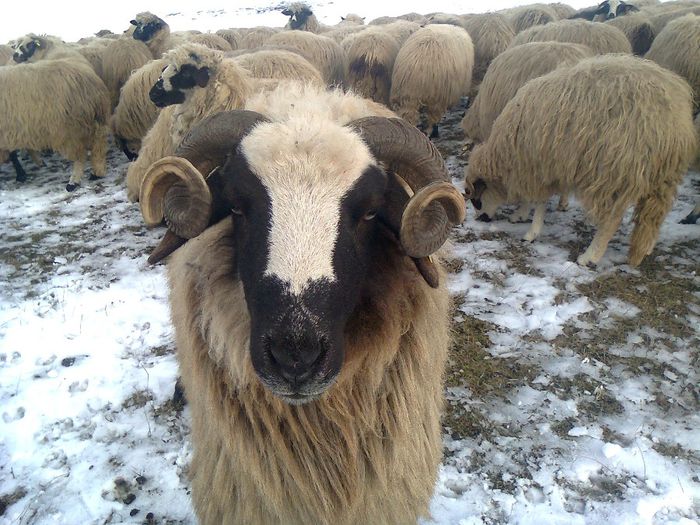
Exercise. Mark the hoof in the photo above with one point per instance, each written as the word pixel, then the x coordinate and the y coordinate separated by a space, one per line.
pixel 483 218
pixel 528 239
pixel 435 132
pixel 690 219
pixel 71 187
pixel 22 178
pixel 586 262
pixel 94 177
pixel 179 399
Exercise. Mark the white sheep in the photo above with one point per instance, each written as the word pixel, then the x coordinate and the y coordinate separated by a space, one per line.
pixel 155 33
pixel 197 82
pixel 279 64
pixel 311 327
pixel 32 48
pixel 601 38
pixel 491 34
pixel 614 130
pixel 120 59
pixel 433 69
pixel 60 105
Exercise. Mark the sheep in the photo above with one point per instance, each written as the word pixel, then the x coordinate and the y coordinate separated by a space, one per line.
pixel 212 41
pixel 58 104
pixel 280 64
pixel 312 364
pixel 341 33
pixel 401 30
pixel 351 19
pixel 232 36
pixel 32 48
pixel 154 32
pixel 201 82
pixel 257 37
pixel 525 17
pixel 601 38
pixel 508 73
pixel 93 52
pixel 677 48
pixel 662 19
pixel 301 18
pixel 382 20
pixel 371 55
pixel 491 34
pixel 562 10
pixel 615 130
pixel 324 53
pixel 446 56
pixel 638 29
pixel 606 10
pixel 136 113
pixel 414 17
pixel 445 18
pixel 119 59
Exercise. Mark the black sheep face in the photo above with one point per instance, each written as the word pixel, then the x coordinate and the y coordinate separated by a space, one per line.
pixel 24 52
pixel 145 32
pixel 297 19
pixel 613 8
pixel 174 84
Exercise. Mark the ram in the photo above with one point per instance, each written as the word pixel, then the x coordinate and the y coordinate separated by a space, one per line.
pixel 196 82
pixel 72 121
pixel 632 153
pixel 311 325
pixel 432 71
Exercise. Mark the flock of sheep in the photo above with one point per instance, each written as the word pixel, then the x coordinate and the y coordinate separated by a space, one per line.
pixel 313 363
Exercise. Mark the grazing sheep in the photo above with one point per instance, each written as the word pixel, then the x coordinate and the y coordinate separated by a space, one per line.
pixel 280 64
pixel 525 17
pixel 301 18
pixel 200 81
pixel 445 55
pixel 154 32
pixel 638 29
pixel 60 105
pixel 210 40
pixel 371 55
pixel 232 36
pixel 136 113
pixel 119 59
pixel 601 38
pixel 324 53
pixel 257 37
pixel 311 351
pixel 614 130
pixel 491 34
pixel 508 73
pixel 677 48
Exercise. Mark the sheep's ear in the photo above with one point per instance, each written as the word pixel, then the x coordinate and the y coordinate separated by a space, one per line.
pixel 342 18
pixel 133 22
pixel 287 12
pixel 623 9
pixel 201 76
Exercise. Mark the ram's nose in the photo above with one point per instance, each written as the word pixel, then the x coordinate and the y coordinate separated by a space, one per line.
pixel 296 353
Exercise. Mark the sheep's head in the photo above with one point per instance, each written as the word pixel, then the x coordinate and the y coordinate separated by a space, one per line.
pixel 28 47
pixel 185 71
pixel 487 194
pixel 311 205
pixel 147 25
pixel 298 14
pixel 613 8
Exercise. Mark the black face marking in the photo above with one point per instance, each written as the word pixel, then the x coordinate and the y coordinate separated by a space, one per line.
pixel 24 53
pixel 298 19
pixel 145 32
pixel 188 77
pixel 625 8
pixel 297 340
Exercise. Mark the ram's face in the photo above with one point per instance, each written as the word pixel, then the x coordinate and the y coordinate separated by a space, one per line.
pixel 176 82
pixel 25 49
pixel 304 208
pixel 145 31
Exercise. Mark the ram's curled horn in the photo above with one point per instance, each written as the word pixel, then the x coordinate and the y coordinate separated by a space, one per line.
pixel 436 205
pixel 178 188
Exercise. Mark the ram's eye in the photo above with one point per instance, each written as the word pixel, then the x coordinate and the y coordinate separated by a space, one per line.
pixel 371 214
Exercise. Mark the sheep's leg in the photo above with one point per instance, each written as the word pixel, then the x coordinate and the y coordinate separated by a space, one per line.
pixel 98 154
pixel 537 222
pixel 124 146
pixel 522 214
pixel 21 175
pixel 563 202
pixel 435 133
pixel 693 216
pixel 599 244
pixel 74 181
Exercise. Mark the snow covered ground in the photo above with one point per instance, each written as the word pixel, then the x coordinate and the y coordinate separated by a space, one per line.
pixel 574 394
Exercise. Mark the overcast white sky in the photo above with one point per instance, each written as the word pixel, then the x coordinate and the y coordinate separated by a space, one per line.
pixel 72 20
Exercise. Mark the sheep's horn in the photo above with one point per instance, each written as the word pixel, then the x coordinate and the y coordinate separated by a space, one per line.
pixel 425 223
pixel 175 188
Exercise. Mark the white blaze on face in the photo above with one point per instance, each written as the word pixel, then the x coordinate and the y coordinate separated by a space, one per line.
pixel 613 7
pixel 167 75
pixel 307 167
